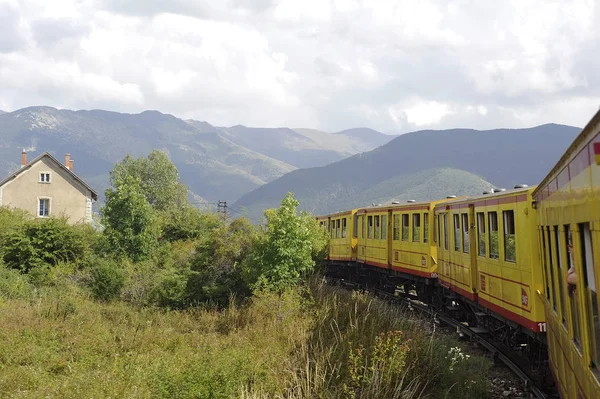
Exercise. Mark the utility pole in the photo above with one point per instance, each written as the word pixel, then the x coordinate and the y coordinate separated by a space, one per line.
pixel 222 209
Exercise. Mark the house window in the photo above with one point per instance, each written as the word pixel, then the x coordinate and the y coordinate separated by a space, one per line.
pixel 45 177
pixel 44 207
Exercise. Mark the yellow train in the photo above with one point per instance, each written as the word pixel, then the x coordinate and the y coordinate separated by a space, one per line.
pixel 520 263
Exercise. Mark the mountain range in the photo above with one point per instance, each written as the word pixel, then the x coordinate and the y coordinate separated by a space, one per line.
pixel 422 165
pixel 216 163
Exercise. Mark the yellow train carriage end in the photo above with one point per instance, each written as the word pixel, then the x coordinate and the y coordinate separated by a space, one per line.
pixel 568 205
pixel 342 243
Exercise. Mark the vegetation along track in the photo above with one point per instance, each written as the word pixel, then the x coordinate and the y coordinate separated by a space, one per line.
pixel 476 334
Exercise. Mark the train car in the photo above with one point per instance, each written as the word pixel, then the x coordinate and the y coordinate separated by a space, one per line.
pixel 397 239
pixel 568 207
pixel 343 236
pixel 488 254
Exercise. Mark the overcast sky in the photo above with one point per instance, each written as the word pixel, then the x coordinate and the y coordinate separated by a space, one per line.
pixel 391 65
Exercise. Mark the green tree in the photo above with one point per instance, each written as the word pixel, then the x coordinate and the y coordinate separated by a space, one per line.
pixel 130 222
pixel 284 254
pixel 158 177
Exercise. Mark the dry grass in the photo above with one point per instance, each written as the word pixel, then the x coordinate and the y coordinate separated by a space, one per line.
pixel 315 342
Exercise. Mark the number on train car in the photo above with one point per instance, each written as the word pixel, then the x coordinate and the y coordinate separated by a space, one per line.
pixel 542 327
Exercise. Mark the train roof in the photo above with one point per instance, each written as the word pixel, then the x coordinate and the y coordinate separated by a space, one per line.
pixel 400 205
pixel 586 135
pixel 492 195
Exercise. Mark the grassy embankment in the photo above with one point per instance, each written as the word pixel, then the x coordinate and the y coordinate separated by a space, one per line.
pixel 315 341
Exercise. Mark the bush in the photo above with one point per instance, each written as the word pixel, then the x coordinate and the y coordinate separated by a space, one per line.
pixel 215 269
pixel 38 243
pixel 13 285
pixel 106 279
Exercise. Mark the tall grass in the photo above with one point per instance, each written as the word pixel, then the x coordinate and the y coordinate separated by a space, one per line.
pixel 311 342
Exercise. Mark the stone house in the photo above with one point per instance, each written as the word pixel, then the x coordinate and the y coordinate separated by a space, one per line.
pixel 46 187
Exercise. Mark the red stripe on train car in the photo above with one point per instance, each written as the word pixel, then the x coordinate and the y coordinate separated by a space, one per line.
pixel 414 272
pixel 529 324
pixel 462 292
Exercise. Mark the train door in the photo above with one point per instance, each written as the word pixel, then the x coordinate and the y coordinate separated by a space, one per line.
pixel 390 236
pixel 472 234
pixel 362 236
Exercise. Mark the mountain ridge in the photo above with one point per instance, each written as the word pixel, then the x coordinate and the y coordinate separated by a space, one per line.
pixel 213 161
pixel 503 157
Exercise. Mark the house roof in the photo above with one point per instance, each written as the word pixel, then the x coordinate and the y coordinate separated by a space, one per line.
pixel 47 154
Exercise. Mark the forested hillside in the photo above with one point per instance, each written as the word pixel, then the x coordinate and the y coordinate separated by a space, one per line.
pixel 502 157
pixel 216 163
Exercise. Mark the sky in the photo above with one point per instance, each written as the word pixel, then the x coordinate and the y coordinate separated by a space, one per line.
pixel 391 65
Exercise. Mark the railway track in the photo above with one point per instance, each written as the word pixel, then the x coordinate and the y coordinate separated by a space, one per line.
pixel 476 334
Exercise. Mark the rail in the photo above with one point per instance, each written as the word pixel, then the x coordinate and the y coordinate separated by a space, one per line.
pixel 530 384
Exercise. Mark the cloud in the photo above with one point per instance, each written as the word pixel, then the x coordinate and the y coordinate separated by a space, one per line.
pixel 393 65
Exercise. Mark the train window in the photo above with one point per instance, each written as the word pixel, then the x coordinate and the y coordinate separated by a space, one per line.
pixel 493 228
pixel 416 227
pixel 337 228
pixel 456 232
pixel 549 259
pixel 465 232
pixel 573 295
pixel 396 227
pixel 561 275
pixel 344 228
pixel 377 228
pixel 481 233
pixel 355 227
pixel 544 262
pixel 587 258
pixel 363 227
pixel 405 227
pixel 445 231
pixel 384 227
pixel 332 225
pixel 425 227
pixel 370 227
pixel 510 250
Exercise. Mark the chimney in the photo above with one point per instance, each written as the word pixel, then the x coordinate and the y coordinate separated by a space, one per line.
pixel 23 158
pixel 68 161
pixel 71 165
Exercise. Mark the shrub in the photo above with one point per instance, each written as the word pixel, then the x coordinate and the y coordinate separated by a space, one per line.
pixel 13 285
pixel 37 243
pixel 215 269
pixel 106 279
